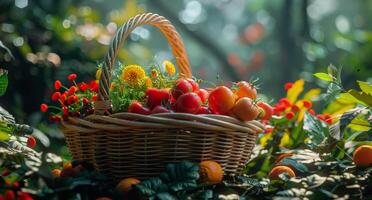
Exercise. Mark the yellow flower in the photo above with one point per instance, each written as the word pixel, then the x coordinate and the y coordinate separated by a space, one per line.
pixel 133 75
pixel 169 67
pixel 148 82
pixel 112 86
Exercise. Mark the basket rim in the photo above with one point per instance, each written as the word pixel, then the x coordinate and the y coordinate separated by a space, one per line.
pixel 124 120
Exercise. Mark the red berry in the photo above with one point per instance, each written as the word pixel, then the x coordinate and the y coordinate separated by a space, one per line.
pixel 269 130
pixel 288 86
pixel 94 98
pixel 188 103
pixel 269 111
pixel 203 94
pixel 204 110
pixel 62 98
pixel 43 107
pixel 156 97
pixel 72 99
pixel 160 109
pixel 55 96
pixel 71 77
pixel 290 115
pixel 295 108
pixel 16 184
pixel 2 197
pixel 5 173
pixel 285 102
pixel 85 101
pixel 94 86
pixel 83 86
pixel 194 84
pixel 320 116
pixel 136 107
pixel 182 86
pixel 31 142
pixel 9 195
pixel 307 104
pixel 72 90
pixel 329 121
pixel 24 196
pixel 57 84
pixel 312 112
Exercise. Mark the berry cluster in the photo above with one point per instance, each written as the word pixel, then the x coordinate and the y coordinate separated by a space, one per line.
pixel 75 100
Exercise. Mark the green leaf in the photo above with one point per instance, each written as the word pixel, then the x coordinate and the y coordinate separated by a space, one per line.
pixel 4 136
pixel 323 76
pixel 166 196
pixel 360 124
pixel 181 176
pixel 316 129
pixel 150 187
pixel 361 96
pixel 293 162
pixel 332 91
pixel 347 117
pixel 365 87
pixel 3 83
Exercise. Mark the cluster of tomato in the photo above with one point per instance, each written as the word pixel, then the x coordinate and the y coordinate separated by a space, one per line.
pixel 12 191
pixel 75 100
pixel 187 97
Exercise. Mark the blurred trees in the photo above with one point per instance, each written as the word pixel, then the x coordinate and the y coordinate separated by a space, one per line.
pixel 237 39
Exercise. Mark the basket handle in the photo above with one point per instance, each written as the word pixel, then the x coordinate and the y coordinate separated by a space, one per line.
pixel 103 102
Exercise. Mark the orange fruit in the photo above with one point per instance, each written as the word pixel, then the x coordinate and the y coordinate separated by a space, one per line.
pixel 274 173
pixel 221 100
pixel 245 89
pixel 363 156
pixel 67 165
pixel 210 172
pixel 282 156
pixel 56 173
pixel 126 184
pixel 245 109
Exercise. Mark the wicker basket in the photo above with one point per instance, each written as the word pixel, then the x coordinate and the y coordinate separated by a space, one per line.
pixel 131 145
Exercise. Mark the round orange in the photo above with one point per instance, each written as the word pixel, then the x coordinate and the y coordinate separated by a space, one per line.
pixel 210 172
pixel 56 173
pixel 363 156
pixel 126 184
pixel 276 171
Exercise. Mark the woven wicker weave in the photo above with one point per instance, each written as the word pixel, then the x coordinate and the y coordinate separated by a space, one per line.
pixel 131 145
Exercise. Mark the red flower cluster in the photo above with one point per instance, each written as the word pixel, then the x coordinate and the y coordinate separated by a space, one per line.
pixel 289 110
pixel 75 100
pixel 325 117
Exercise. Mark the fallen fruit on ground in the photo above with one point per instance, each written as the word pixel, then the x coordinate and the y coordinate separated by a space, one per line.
pixel 210 172
pixel 363 156
pixel 126 184
pixel 276 171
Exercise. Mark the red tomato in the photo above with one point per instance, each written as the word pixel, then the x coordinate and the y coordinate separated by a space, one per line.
pixel 160 109
pixel 156 97
pixel 136 107
pixel 188 103
pixel 204 110
pixel 194 84
pixel 245 110
pixel 182 86
pixel 221 100
pixel 269 111
pixel 31 142
pixel 203 94
pixel 245 89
